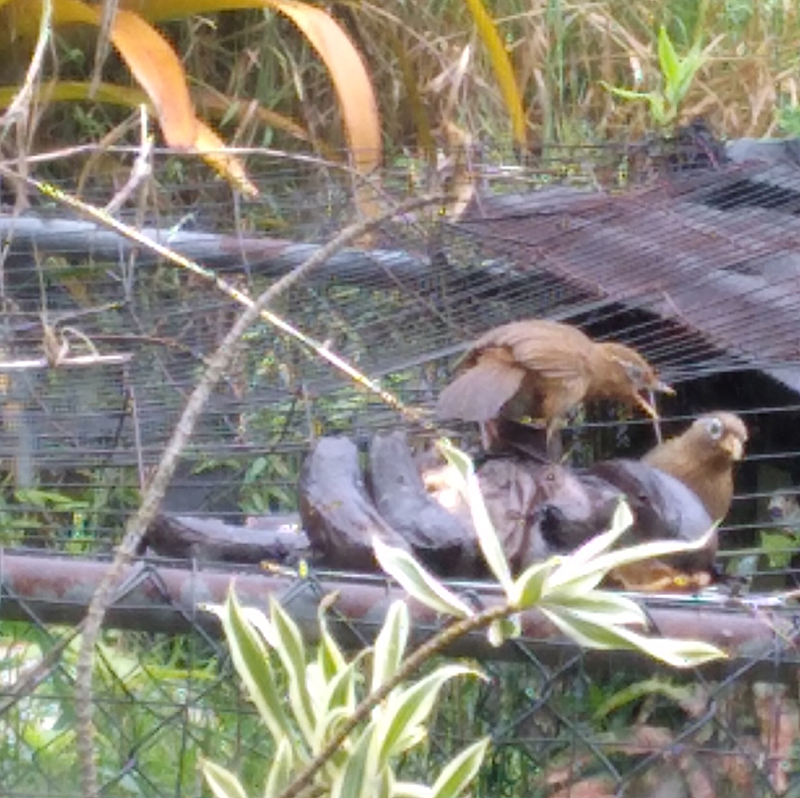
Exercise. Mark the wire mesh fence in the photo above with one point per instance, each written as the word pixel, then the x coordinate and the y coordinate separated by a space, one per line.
pixel 563 721
pixel 683 249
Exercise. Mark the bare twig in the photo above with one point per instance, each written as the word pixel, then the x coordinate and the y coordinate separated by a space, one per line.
pixel 79 360
pixel 19 109
pixel 107 17
pixel 20 114
pixel 154 493
pixel 142 167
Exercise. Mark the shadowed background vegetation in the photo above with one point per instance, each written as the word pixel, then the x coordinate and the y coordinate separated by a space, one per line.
pixel 531 72
pixel 389 89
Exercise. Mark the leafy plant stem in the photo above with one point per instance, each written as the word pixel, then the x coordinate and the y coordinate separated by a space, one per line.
pixel 156 489
pixel 421 655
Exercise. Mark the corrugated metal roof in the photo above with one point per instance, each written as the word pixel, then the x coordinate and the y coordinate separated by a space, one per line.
pixel 716 252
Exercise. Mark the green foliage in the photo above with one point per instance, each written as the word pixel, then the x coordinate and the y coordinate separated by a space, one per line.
pixel 677 76
pixel 789 120
pixel 778 546
pixel 72 518
pixel 326 739
pixel 167 676
pixel 322 696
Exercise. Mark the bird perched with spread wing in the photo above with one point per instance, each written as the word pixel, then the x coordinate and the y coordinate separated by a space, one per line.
pixel 544 369
pixel 703 458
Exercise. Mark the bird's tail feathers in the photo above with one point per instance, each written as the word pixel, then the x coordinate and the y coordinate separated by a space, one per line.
pixel 480 393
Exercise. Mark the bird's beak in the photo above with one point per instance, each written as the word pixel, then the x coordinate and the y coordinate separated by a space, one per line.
pixel 662 387
pixel 647 406
pixel 734 447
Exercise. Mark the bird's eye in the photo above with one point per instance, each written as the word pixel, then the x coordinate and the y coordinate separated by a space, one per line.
pixel 635 373
pixel 715 428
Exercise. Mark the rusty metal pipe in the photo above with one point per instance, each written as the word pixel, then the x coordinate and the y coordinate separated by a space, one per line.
pixel 166 597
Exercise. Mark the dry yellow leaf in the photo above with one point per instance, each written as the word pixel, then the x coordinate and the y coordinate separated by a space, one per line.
pixel 348 72
pixel 503 70
pixel 153 63
pixel 157 68
pixel 212 149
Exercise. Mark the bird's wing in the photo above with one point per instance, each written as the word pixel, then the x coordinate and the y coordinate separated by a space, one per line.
pixel 480 392
pixel 664 455
pixel 552 350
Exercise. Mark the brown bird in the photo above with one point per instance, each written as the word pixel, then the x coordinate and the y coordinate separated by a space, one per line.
pixel 544 369
pixel 703 457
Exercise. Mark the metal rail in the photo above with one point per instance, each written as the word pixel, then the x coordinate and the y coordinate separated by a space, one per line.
pixel 166 596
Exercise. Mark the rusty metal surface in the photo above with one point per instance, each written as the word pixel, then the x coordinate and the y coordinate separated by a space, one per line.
pixel 167 597
pixel 716 254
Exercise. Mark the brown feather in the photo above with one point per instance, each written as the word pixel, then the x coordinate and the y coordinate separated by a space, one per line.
pixel 552 350
pixel 543 369
pixel 703 460
pixel 480 393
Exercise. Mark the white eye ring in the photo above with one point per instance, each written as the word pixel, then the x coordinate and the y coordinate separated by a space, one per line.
pixel 714 428
pixel 635 372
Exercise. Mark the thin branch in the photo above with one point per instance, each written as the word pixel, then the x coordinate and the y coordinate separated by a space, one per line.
pixel 21 104
pixel 78 360
pixel 281 285
pixel 142 166
pixel 154 493
pixel 108 16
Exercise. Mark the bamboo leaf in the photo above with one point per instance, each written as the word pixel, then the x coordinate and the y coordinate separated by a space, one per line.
pixel 502 67
pixel 341 688
pixel 460 771
pixel 330 656
pixel 292 652
pixel 256 618
pixel 529 585
pixel 603 606
pixel 390 645
pixel 409 789
pixel 411 738
pixel 418 582
pixel 668 61
pixel 410 708
pixel 317 687
pixel 599 544
pixel 576 579
pixel 384 784
pixel 221 782
pixel 280 772
pixel 327 725
pixel 355 779
pixel 252 663
pixel 491 547
pixel 677 653
pixel 585 635
pixel 653 550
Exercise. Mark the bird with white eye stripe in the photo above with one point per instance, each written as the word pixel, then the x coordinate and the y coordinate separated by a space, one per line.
pixel 703 458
